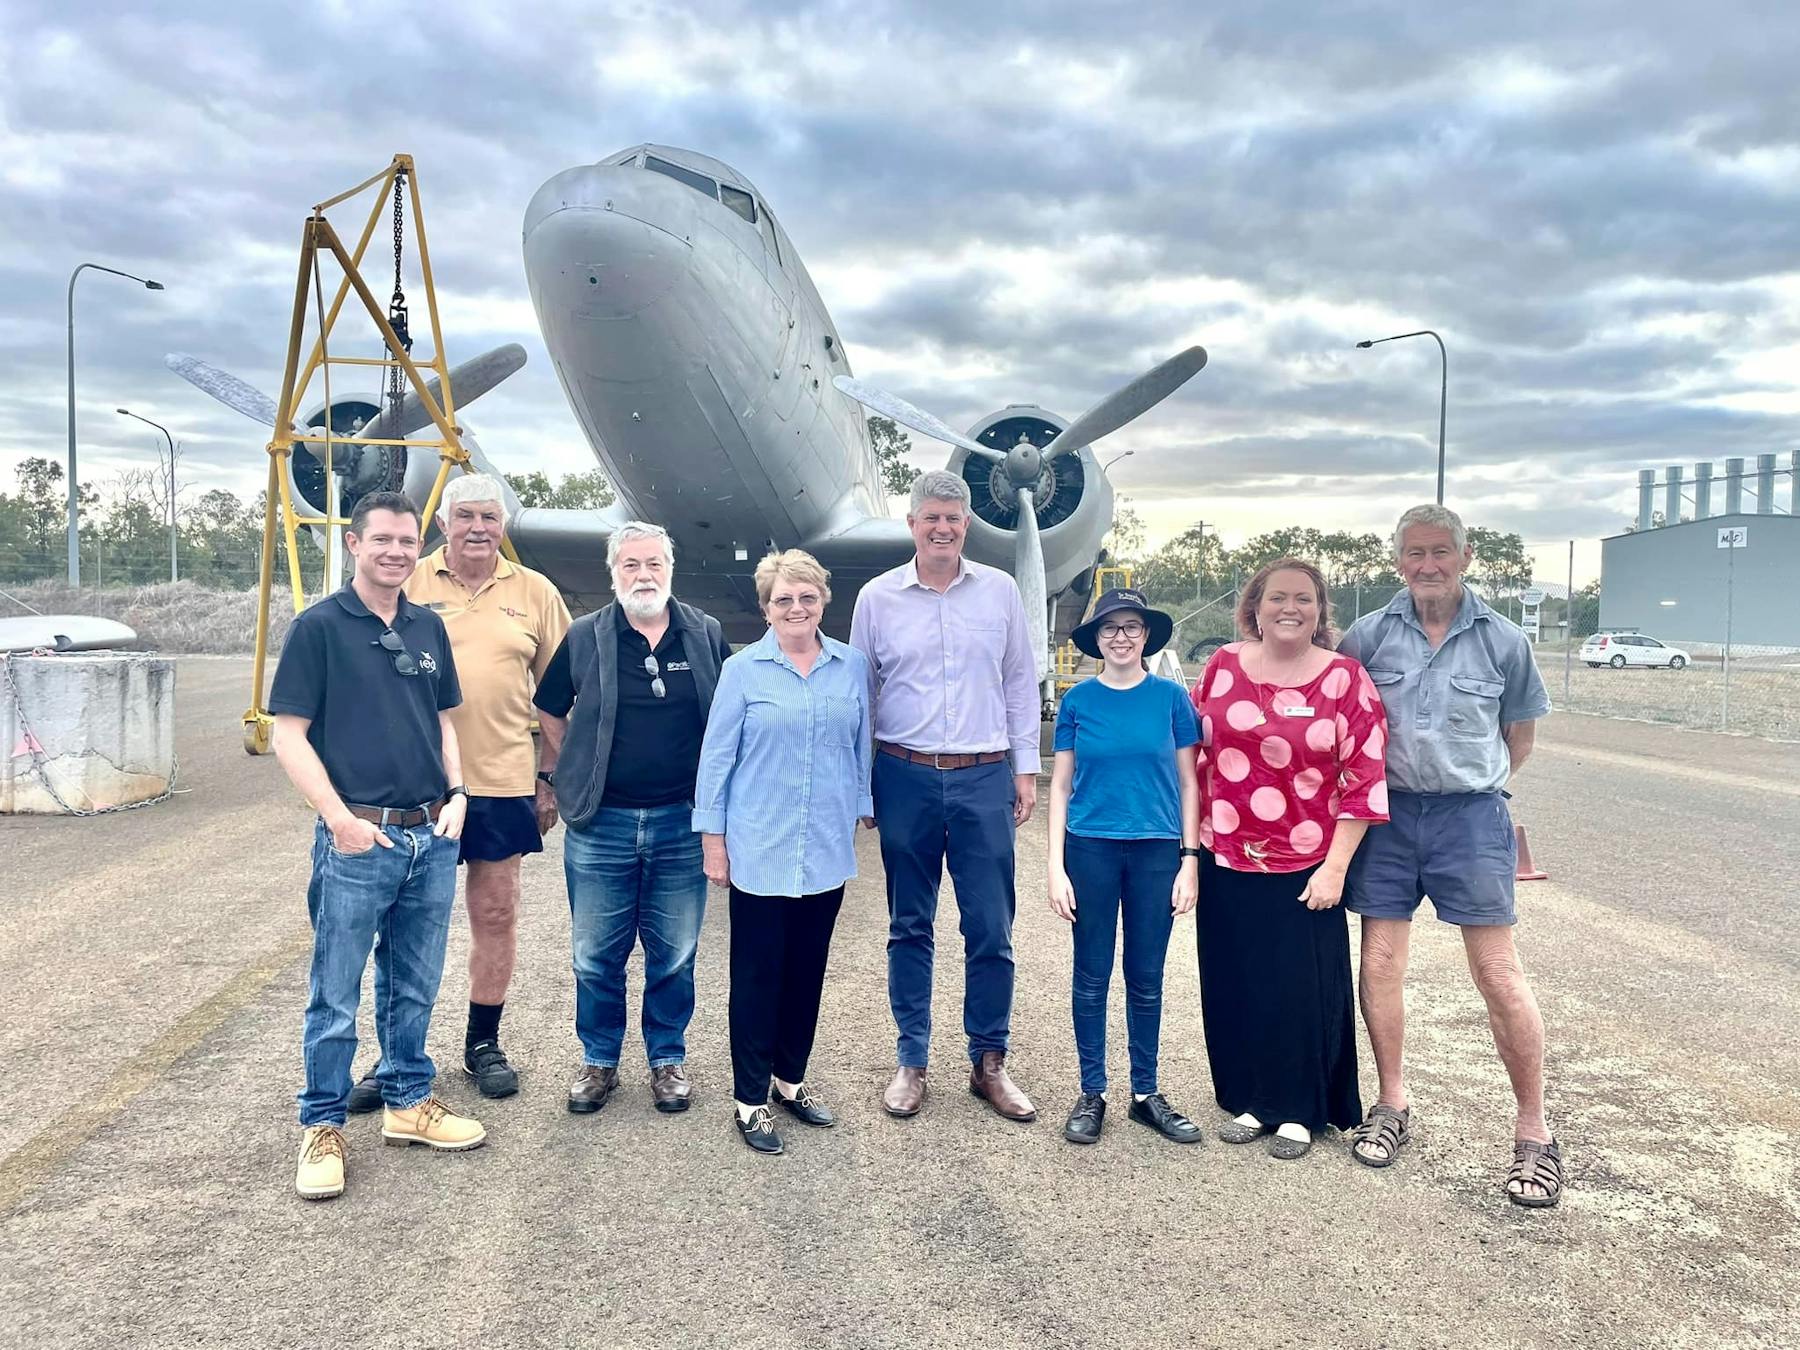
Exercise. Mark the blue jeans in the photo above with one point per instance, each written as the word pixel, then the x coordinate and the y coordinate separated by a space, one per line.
pixel 928 817
pixel 634 873
pixel 1135 877
pixel 401 896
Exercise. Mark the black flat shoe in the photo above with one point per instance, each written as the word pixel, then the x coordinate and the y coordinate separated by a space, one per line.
pixel 805 1107
pixel 365 1095
pixel 1288 1150
pixel 486 1063
pixel 759 1130
pixel 1235 1132
pixel 1085 1119
pixel 1156 1112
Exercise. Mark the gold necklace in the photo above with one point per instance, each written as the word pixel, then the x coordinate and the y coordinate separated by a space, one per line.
pixel 1265 694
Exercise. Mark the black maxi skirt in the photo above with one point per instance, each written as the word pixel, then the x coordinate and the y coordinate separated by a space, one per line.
pixel 1276 998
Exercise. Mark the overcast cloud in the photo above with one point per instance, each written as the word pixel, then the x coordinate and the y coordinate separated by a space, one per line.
pixel 1596 205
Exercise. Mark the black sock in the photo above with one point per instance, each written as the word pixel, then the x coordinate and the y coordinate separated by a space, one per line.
pixel 484 1022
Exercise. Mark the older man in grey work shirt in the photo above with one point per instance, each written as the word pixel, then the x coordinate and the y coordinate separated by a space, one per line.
pixel 956 720
pixel 1461 692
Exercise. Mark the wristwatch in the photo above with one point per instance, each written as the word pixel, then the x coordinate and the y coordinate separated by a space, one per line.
pixel 547 776
pixel 1187 852
pixel 458 791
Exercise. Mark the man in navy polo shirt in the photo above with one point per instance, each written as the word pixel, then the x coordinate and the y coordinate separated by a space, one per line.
pixel 361 700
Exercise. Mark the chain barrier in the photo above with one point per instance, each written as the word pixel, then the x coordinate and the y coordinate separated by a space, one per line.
pixel 39 760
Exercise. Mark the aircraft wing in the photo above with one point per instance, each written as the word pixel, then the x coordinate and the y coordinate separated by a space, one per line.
pixel 569 547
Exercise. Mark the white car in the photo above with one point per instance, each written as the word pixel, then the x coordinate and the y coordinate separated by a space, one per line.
pixel 1619 650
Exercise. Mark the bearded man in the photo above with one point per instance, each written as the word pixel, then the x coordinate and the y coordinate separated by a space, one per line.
pixel 623 708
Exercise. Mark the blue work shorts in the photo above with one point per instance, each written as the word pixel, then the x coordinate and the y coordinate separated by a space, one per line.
pixel 1458 848
pixel 498 828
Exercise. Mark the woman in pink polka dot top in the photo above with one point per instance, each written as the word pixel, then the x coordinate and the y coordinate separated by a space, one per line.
pixel 1291 777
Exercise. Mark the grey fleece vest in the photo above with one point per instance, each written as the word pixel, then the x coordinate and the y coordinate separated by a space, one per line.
pixel 594 666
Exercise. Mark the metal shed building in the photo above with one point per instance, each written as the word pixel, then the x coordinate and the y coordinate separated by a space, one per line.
pixel 1673 581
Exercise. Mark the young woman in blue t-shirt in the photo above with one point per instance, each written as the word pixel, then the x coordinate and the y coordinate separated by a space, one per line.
pixel 1124 832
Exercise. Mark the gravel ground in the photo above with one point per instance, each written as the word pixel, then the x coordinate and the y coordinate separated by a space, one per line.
pixel 155 964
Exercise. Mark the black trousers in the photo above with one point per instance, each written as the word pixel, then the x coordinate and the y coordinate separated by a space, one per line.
pixel 779 945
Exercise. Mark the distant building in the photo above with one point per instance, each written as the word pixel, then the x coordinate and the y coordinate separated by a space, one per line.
pixel 1670 581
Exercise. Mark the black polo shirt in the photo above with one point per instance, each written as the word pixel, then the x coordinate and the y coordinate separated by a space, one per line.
pixel 656 741
pixel 375 730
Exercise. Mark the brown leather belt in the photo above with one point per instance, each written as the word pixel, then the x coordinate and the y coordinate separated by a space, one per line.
pixel 404 816
pixel 943 760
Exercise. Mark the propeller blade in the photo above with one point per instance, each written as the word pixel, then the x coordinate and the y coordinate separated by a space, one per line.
pixel 1122 405
pixel 224 386
pixel 899 410
pixel 468 382
pixel 1028 571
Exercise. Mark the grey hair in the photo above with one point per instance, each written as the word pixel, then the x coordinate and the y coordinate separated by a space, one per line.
pixel 1438 517
pixel 638 529
pixel 472 487
pixel 939 485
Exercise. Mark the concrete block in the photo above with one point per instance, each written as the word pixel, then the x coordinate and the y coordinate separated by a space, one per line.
pixel 85 731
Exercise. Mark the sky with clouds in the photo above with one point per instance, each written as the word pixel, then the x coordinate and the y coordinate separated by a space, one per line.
pixel 1597 205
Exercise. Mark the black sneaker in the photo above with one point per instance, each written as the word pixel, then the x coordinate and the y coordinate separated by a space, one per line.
pixel 1156 1112
pixel 759 1131
pixel 485 1062
pixel 365 1095
pixel 1085 1119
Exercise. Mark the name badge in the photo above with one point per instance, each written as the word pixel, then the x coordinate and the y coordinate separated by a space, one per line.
pixel 1298 710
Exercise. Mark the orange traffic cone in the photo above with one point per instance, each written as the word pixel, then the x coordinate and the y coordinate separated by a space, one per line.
pixel 1528 870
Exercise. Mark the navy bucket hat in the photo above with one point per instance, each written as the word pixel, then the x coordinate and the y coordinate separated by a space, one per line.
pixel 1159 625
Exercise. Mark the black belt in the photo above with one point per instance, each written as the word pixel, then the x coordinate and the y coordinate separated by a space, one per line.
pixel 404 816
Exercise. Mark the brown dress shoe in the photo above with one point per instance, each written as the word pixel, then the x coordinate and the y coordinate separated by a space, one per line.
pixel 592 1086
pixel 669 1088
pixel 989 1080
pixel 906 1094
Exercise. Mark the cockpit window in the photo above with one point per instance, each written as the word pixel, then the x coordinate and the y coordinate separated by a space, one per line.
pixel 698 181
pixel 768 227
pixel 738 200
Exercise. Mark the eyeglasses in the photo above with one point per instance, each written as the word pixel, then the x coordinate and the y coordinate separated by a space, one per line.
pixel 657 687
pixel 806 600
pixel 390 642
pixel 1130 629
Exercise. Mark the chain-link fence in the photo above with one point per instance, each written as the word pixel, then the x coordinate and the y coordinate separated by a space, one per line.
pixel 1655 675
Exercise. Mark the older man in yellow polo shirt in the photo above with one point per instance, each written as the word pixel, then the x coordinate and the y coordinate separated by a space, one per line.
pixel 505 623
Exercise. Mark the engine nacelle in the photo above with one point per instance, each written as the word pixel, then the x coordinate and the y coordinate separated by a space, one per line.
pixel 1073 499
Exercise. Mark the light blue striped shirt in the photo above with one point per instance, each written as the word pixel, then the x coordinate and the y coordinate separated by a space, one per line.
pixel 784 768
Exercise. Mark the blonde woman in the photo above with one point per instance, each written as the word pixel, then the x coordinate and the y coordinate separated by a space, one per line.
pixel 784 777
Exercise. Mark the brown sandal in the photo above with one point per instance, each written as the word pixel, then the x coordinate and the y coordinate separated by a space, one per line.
pixel 1383 1128
pixel 1535 1164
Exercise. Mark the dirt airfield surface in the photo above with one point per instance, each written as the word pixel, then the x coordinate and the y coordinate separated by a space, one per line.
pixel 155 967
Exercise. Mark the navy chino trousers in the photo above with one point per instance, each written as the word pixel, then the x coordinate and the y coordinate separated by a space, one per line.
pixel 964 817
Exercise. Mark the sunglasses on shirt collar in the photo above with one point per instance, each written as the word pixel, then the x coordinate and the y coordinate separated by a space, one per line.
pixel 657 687
pixel 390 642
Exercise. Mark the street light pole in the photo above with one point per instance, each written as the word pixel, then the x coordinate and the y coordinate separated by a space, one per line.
pixel 74 487
pixel 1443 392
pixel 126 412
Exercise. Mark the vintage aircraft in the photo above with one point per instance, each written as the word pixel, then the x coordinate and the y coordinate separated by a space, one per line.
pixel 716 393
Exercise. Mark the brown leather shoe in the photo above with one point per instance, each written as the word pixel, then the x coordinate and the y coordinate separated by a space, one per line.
pixel 989 1080
pixel 592 1086
pixel 906 1094
pixel 669 1088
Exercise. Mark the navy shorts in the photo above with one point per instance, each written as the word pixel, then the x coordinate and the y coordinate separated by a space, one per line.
pixel 498 828
pixel 1458 848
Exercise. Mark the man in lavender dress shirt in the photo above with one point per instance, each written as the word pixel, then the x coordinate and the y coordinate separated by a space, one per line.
pixel 953 682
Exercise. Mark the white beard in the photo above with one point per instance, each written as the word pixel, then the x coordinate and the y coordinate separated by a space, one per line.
pixel 645 604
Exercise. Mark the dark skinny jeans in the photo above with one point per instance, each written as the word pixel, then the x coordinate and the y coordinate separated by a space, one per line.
pixel 1133 877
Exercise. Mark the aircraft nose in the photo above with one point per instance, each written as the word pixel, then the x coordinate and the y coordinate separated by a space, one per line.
pixel 604 242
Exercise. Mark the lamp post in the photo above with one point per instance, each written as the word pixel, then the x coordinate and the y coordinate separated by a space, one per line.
pixel 1123 454
pixel 126 412
pixel 1443 392
pixel 74 488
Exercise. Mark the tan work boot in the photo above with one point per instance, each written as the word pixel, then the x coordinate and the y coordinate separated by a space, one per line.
pixel 320 1173
pixel 433 1123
